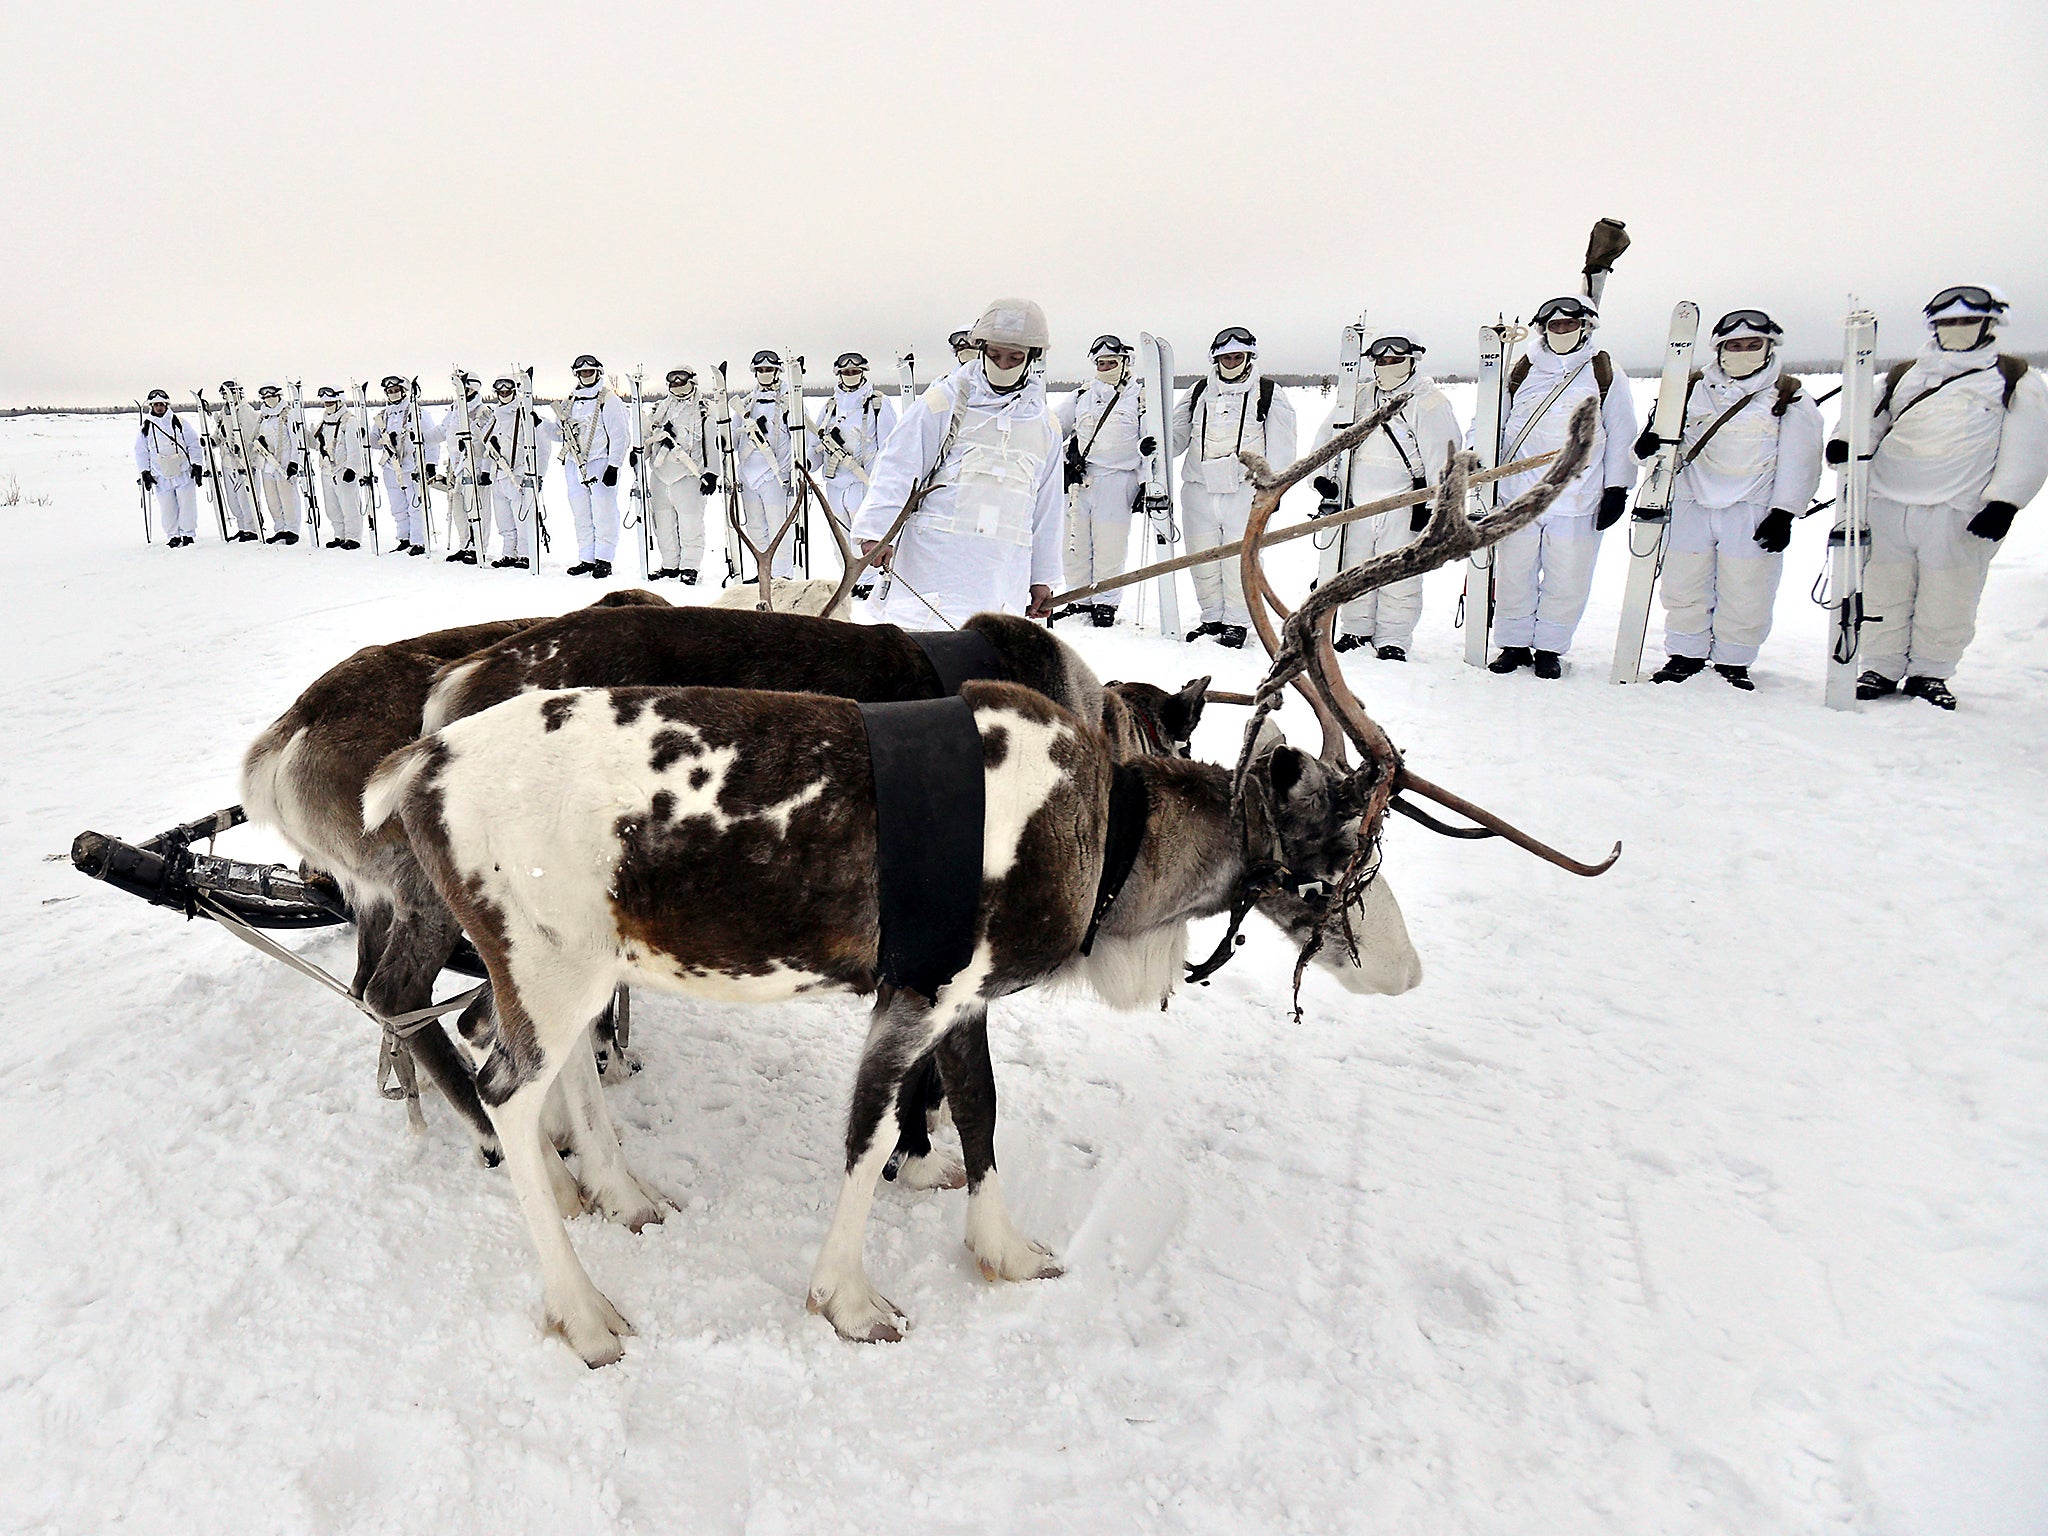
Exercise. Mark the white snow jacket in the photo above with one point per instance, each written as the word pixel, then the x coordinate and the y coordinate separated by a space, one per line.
pixel 273 445
pixel 167 447
pixel 674 434
pixel 595 428
pixel 1524 432
pixel 761 437
pixel 337 441
pixel 1111 443
pixel 453 461
pixel 391 429
pixel 234 430
pixel 1758 459
pixel 863 418
pixel 506 442
pixel 1414 445
pixel 1962 444
pixel 1222 423
pixel 994 523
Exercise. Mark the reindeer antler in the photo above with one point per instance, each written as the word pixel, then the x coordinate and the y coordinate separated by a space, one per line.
pixel 1303 653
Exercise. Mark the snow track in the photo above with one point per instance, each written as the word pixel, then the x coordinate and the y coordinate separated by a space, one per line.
pixel 1703 1197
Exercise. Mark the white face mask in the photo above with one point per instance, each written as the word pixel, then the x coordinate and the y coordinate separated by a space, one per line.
pixel 1109 369
pixel 765 379
pixel 1740 365
pixel 1563 342
pixel 1960 335
pixel 682 391
pixel 1004 378
pixel 1231 375
pixel 1390 376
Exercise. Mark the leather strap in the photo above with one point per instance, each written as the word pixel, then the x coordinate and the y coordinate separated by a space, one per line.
pixel 930 806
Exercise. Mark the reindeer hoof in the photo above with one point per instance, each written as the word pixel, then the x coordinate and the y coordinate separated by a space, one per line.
pixel 935 1170
pixel 859 1314
pixel 592 1327
pixel 1019 1260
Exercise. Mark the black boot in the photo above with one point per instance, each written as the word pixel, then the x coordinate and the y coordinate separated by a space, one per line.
pixel 862 589
pixel 1677 669
pixel 601 569
pixel 1391 653
pixel 1207 628
pixel 1102 616
pixel 1548 665
pixel 417 549
pixel 245 537
pixel 462 557
pixel 687 576
pixel 1874 685
pixel 1230 636
pixel 1738 676
pixel 520 563
pixel 351 543
pixel 1512 658
pixel 1350 643
pixel 582 568
pixel 279 537
pixel 337 543
pixel 1933 689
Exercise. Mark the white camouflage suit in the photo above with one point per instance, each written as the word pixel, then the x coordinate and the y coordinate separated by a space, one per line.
pixel 400 457
pixel 863 419
pixel 1543 574
pixel 167 450
pixel 515 503
pixel 1107 420
pixel 277 465
pixel 1413 447
pixel 235 430
pixel 990 528
pixel 1216 498
pixel 344 466
pixel 761 439
pixel 676 463
pixel 1719 584
pixel 469 489
pixel 1937 460
pixel 596 431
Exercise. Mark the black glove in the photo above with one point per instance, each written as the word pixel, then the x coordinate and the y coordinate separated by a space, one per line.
pixel 1994 522
pixel 761 426
pixel 611 474
pixel 483 477
pixel 1419 518
pixel 707 483
pixel 1613 502
pixel 1325 487
pixel 1648 443
pixel 839 437
pixel 432 470
pixel 1075 467
pixel 1838 452
pixel 291 471
pixel 632 458
pixel 348 477
pixel 198 474
pixel 1328 506
pixel 148 481
pixel 1774 533
pixel 1148 445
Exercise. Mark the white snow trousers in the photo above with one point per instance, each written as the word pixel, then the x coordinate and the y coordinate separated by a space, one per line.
pixel 402 496
pixel 177 505
pixel 344 502
pixel 241 502
pixel 1099 530
pixel 1210 518
pixel 764 508
pixel 465 512
pixel 515 533
pixel 1389 615
pixel 1719 587
pixel 596 508
pixel 677 511
pixel 1921 586
pixel 280 498
pixel 1541 579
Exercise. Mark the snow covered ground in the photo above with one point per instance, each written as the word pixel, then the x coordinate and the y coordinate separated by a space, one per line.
pixel 1703 1197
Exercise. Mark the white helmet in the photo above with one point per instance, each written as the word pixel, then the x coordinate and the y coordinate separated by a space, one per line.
pixel 1011 323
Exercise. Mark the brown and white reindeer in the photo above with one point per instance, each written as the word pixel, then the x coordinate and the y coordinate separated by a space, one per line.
pixel 724 844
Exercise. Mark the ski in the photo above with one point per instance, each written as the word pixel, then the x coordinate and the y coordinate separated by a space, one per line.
pixel 1848 543
pixel 239 441
pixel 798 421
pixel 1650 522
pixel 729 474
pixel 1155 408
pixel 369 463
pixel 141 486
pixel 642 506
pixel 210 451
pixel 906 380
pixel 526 461
pixel 419 466
pixel 1497 343
pixel 462 440
pixel 1350 351
pixel 302 443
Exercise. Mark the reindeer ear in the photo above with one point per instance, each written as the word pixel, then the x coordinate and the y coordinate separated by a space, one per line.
pixel 1184 709
pixel 1284 769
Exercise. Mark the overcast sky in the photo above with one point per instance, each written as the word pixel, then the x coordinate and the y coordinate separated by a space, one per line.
pixel 197 190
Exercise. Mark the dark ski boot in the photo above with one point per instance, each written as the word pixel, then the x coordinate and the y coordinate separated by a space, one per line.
pixel 1874 685
pixel 601 569
pixel 1677 669
pixel 1350 643
pixel 1207 628
pixel 1512 658
pixel 1102 616
pixel 686 576
pixel 1391 653
pixel 1933 689
pixel 1549 665
pixel 1230 636
pixel 1737 676
pixel 582 568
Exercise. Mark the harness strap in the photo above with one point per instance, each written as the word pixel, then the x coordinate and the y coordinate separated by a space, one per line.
pixel 1716 425
pixel 958 656
pixel 1130 812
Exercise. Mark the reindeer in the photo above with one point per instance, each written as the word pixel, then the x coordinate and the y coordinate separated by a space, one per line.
pixel 724 844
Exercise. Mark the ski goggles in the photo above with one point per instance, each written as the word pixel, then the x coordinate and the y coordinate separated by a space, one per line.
pixel 1575 310
pixel 159 394
pixel 1108 346
pixel 328 392
pixel 1388 349
pixel 1234 338
pixel 1969 296
pixel 392 381
pixel 680 376
pixel 1747 322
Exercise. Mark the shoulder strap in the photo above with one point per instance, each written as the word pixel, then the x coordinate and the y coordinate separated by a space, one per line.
pixel 1892 375
pixel 1788 391
pixel 1195 394
pixel 1603 371
pixel 2012 369
pixel 1929 394
pixel 1693 378
pixel 1265 397
pixel 1720 421
pixel 1516 375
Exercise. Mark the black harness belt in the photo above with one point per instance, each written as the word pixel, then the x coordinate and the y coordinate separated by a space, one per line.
pixel 930 802
pixel 1130 809
pixel 958 656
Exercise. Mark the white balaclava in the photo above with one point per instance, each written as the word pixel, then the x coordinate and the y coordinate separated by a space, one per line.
pixel 1004 379
pixel 1963 318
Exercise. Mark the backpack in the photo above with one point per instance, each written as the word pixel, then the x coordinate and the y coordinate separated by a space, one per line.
pixel 1787 391
pixel 2010 368
pixel 1265 396
pixel 1603 374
